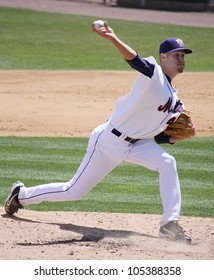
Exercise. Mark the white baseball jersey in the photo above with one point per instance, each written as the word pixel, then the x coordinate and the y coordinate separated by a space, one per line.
pixel 149 107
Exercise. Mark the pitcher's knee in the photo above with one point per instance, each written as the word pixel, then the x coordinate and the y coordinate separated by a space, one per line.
pixel 75 195
pixel 76 191
pixel 168 162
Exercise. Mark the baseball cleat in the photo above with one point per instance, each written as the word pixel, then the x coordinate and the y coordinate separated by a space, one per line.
pixel 12 204
pixel 175 232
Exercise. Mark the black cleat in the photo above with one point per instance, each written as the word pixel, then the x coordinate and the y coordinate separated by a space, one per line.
pixel 175 232
pixel 12 204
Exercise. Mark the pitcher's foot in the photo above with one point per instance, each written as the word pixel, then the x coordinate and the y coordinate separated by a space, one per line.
pixel 12 204
pixel 175 232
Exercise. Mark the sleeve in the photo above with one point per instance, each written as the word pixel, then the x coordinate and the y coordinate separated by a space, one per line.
pixel 162 138
pixel 142 65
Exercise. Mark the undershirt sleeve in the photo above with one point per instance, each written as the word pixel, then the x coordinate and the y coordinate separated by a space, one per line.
pixel 162 138
pixel 142 65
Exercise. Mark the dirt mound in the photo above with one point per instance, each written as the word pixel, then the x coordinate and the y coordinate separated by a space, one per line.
pixel 98 236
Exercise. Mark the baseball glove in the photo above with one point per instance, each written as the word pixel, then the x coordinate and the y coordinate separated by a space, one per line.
pixel 182 127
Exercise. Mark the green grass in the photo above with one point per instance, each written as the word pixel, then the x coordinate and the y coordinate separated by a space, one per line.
pixel 39 40
pixel 128 188
pixel 36 40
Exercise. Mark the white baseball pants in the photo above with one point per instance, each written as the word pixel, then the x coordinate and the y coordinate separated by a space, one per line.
pixel 106 151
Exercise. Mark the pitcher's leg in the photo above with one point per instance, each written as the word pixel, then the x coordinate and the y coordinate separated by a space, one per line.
pixel 86 177
pixel 100 159
pixel 152 156
pixel 169 189
pixel 44 192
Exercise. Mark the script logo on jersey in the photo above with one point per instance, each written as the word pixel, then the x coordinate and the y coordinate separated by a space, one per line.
pixel 167 107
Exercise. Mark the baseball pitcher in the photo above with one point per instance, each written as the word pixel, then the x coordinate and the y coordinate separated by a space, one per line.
pixel 142 119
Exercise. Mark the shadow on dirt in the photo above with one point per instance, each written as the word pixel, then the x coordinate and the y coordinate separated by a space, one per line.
pixel 86 233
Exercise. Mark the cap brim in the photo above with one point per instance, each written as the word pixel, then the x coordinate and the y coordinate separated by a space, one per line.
pixel 187 51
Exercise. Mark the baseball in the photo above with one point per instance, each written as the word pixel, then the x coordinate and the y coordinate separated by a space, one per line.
pixel 98 24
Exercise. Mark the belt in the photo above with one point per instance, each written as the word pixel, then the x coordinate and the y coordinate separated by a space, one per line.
pixel 128 139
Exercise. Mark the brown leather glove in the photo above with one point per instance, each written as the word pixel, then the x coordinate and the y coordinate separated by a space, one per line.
pixel 182 127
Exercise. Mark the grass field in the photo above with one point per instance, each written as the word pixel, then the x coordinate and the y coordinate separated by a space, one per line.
pixel 36 40
pixel 129 188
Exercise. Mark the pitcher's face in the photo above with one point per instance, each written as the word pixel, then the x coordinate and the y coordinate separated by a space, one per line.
pixel 175 61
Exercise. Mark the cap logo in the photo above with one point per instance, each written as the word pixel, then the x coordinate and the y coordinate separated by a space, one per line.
pixel 180 43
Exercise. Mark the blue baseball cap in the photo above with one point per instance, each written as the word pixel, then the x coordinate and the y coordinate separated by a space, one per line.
pixel 173 45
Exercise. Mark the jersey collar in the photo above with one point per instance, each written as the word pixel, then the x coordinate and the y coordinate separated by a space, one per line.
pixel 168 78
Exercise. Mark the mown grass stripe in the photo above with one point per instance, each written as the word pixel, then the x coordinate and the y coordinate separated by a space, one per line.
pixel 40 40
pixel 128 188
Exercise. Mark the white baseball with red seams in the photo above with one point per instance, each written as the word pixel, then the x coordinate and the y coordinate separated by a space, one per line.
pixel 98 24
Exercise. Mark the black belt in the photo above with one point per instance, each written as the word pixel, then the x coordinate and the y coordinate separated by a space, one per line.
pixel 128 139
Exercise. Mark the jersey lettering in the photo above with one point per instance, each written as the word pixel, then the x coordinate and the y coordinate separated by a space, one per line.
pixel 168 104
pixel 166 107
pixel 171 121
